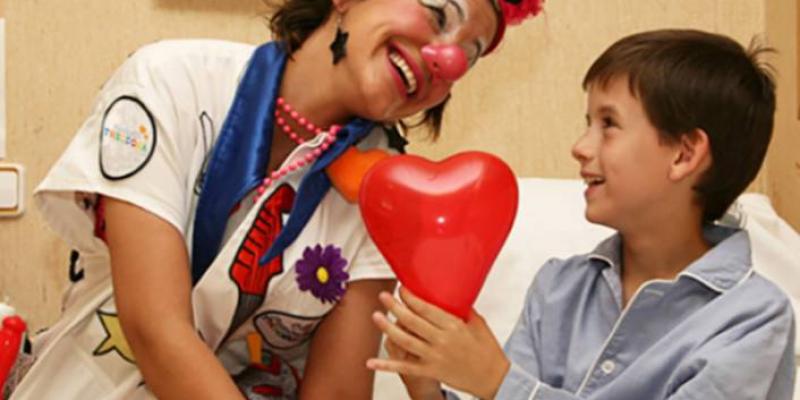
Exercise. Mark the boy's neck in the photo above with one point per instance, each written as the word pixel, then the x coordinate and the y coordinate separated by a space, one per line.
pixel 660 251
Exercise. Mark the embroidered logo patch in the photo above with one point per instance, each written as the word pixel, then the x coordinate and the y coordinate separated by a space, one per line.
pixel 127 138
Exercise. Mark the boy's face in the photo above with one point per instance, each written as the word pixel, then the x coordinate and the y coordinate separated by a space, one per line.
pixel 622 161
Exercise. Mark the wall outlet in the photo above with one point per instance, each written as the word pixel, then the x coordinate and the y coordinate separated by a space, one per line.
pixel 12 193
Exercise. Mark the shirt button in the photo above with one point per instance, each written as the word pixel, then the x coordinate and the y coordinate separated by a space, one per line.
pixel 607 366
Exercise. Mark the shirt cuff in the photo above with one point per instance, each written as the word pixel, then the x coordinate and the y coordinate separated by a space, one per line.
pixel 518 384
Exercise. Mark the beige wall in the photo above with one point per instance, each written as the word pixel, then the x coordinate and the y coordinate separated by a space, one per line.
pixel 783 160
pixel 525 104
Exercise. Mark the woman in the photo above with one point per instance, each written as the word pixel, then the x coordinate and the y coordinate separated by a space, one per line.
pixel 214 264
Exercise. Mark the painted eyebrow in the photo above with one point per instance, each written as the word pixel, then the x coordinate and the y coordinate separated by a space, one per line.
pixel 460 10
pixel 478 51
pixel 463 17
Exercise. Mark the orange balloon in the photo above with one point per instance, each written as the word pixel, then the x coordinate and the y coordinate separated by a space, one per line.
pixel 347 171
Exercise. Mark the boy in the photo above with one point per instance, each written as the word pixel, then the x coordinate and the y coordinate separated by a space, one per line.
pixel 669 307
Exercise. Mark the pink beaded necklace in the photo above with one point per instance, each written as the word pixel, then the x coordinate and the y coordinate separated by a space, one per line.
pixel 282 110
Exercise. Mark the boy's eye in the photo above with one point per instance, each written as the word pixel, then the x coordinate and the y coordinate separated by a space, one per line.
pixel 608 122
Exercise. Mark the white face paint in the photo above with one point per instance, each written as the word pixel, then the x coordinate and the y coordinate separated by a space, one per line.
pixel 452 16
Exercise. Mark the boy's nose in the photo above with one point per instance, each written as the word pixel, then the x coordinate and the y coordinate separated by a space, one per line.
pixel 445 61
pixel 580 150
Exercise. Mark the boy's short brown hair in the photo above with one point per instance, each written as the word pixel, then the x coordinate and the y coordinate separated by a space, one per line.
pixel 688 79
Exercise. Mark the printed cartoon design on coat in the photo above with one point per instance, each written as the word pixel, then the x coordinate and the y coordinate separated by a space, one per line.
pixel 284 331
pixel 270 379
pixel 115 338
pixel 252 279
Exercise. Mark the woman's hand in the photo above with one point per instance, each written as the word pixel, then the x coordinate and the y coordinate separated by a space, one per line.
pixel 440 346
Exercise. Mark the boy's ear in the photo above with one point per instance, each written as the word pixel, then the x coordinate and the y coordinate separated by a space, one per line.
pixel 692 156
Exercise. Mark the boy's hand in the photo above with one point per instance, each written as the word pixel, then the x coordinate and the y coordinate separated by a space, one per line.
pixel 440 346
pixel 418 387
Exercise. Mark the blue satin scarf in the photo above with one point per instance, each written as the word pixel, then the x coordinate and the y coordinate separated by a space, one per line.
pixel 240 157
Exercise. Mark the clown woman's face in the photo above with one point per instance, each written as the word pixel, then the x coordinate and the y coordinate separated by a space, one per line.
pixel 403 56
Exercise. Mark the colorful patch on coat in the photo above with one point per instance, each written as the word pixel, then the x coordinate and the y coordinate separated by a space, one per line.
pixel 271 379
pixel 284 331
pixel 322 272
pixel 127 138
pixel 115 339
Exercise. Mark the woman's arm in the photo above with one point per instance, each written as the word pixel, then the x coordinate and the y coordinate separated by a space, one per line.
pixel 343 343
pixel 152 290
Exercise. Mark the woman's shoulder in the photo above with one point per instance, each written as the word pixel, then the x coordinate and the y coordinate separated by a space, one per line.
pixel 190 61
pixel 169 49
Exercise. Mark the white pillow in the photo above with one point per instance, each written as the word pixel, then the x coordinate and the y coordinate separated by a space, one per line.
pixel 550 223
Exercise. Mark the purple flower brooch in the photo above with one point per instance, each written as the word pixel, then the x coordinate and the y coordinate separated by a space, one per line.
pixel 321 270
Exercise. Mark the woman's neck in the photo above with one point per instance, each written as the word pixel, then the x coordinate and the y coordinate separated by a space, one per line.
pixel 309 81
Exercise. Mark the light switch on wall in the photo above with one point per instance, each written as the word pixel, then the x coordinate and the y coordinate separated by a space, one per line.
pixel 11 190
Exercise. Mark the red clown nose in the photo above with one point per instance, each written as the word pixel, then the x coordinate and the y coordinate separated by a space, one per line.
pixel 445 61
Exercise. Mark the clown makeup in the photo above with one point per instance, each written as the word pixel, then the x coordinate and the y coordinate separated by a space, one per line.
pixel 403 56
pixel 448 17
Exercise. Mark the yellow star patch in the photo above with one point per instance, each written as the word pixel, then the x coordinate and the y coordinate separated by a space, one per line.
pixel 115 339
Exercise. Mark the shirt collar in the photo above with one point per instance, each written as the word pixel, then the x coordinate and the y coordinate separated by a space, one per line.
pixel 721 268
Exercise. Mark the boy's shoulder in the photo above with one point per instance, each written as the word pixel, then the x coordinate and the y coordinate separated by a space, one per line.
pixel 580 266
pixel 567 272
pixel 759 293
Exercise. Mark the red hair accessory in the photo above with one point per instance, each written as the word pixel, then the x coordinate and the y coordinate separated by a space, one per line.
pixel 512 12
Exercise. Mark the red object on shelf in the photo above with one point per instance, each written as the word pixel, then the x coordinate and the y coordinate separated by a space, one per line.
pixel 10 342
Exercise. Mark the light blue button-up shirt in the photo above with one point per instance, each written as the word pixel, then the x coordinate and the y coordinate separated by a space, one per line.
pixel 717 331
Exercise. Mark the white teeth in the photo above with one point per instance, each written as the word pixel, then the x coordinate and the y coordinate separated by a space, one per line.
pixel 402 65
pixel 593 181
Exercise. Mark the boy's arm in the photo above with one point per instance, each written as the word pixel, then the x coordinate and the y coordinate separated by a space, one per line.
pixel 752 360
pixel 522 349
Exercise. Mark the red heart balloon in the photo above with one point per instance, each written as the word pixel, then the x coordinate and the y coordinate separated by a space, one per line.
pixel 440 225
